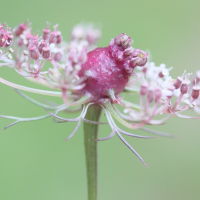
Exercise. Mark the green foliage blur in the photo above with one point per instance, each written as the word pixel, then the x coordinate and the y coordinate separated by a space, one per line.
pixel 35 161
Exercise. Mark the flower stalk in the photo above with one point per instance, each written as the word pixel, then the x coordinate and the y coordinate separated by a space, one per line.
pixel 90 137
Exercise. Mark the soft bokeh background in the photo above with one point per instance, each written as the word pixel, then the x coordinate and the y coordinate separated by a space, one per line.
pixel 35 162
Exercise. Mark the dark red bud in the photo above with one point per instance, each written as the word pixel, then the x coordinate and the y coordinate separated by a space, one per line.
pixel 34 53
pixel 178 82
pixel 59 37
pixel 53 38
pixel 42 44
pixel 195 92
pixel 184 88
pixel 161 75
pixel 46 52
pixel 46 33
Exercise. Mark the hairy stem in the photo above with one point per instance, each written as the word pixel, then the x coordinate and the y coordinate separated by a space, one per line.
pixel 90 137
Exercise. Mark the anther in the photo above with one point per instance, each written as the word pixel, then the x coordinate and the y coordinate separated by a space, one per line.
pixel 9 56
pixel 24 65
pixel 11 50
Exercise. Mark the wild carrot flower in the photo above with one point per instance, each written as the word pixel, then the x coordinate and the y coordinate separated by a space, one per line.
pixel 84 76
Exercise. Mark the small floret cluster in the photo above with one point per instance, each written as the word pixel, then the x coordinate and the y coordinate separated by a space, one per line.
pixel 6 39
pixel 85 75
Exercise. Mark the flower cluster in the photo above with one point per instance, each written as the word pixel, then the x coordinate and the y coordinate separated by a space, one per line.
pixel 6 39
pixel 84 76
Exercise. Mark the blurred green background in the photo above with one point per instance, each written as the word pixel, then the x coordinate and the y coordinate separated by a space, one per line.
pixel 36 163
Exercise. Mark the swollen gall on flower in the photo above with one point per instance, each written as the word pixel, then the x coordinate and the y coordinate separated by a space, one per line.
pixel 84 76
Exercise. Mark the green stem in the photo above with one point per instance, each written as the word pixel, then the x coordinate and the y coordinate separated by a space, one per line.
pixel 90 135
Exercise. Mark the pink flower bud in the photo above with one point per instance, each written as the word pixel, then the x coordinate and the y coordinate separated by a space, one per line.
pixel 53 38
pixel 40 47
pixel 45 52
pixel 57 57
pixel 139 58
pixel 46 32
pixel 34 52
pixel 195 92
pixel 178 82
pixel 144 88
pixel 123 40
pixel 119 38
pixel 19 30
pixel 9 40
